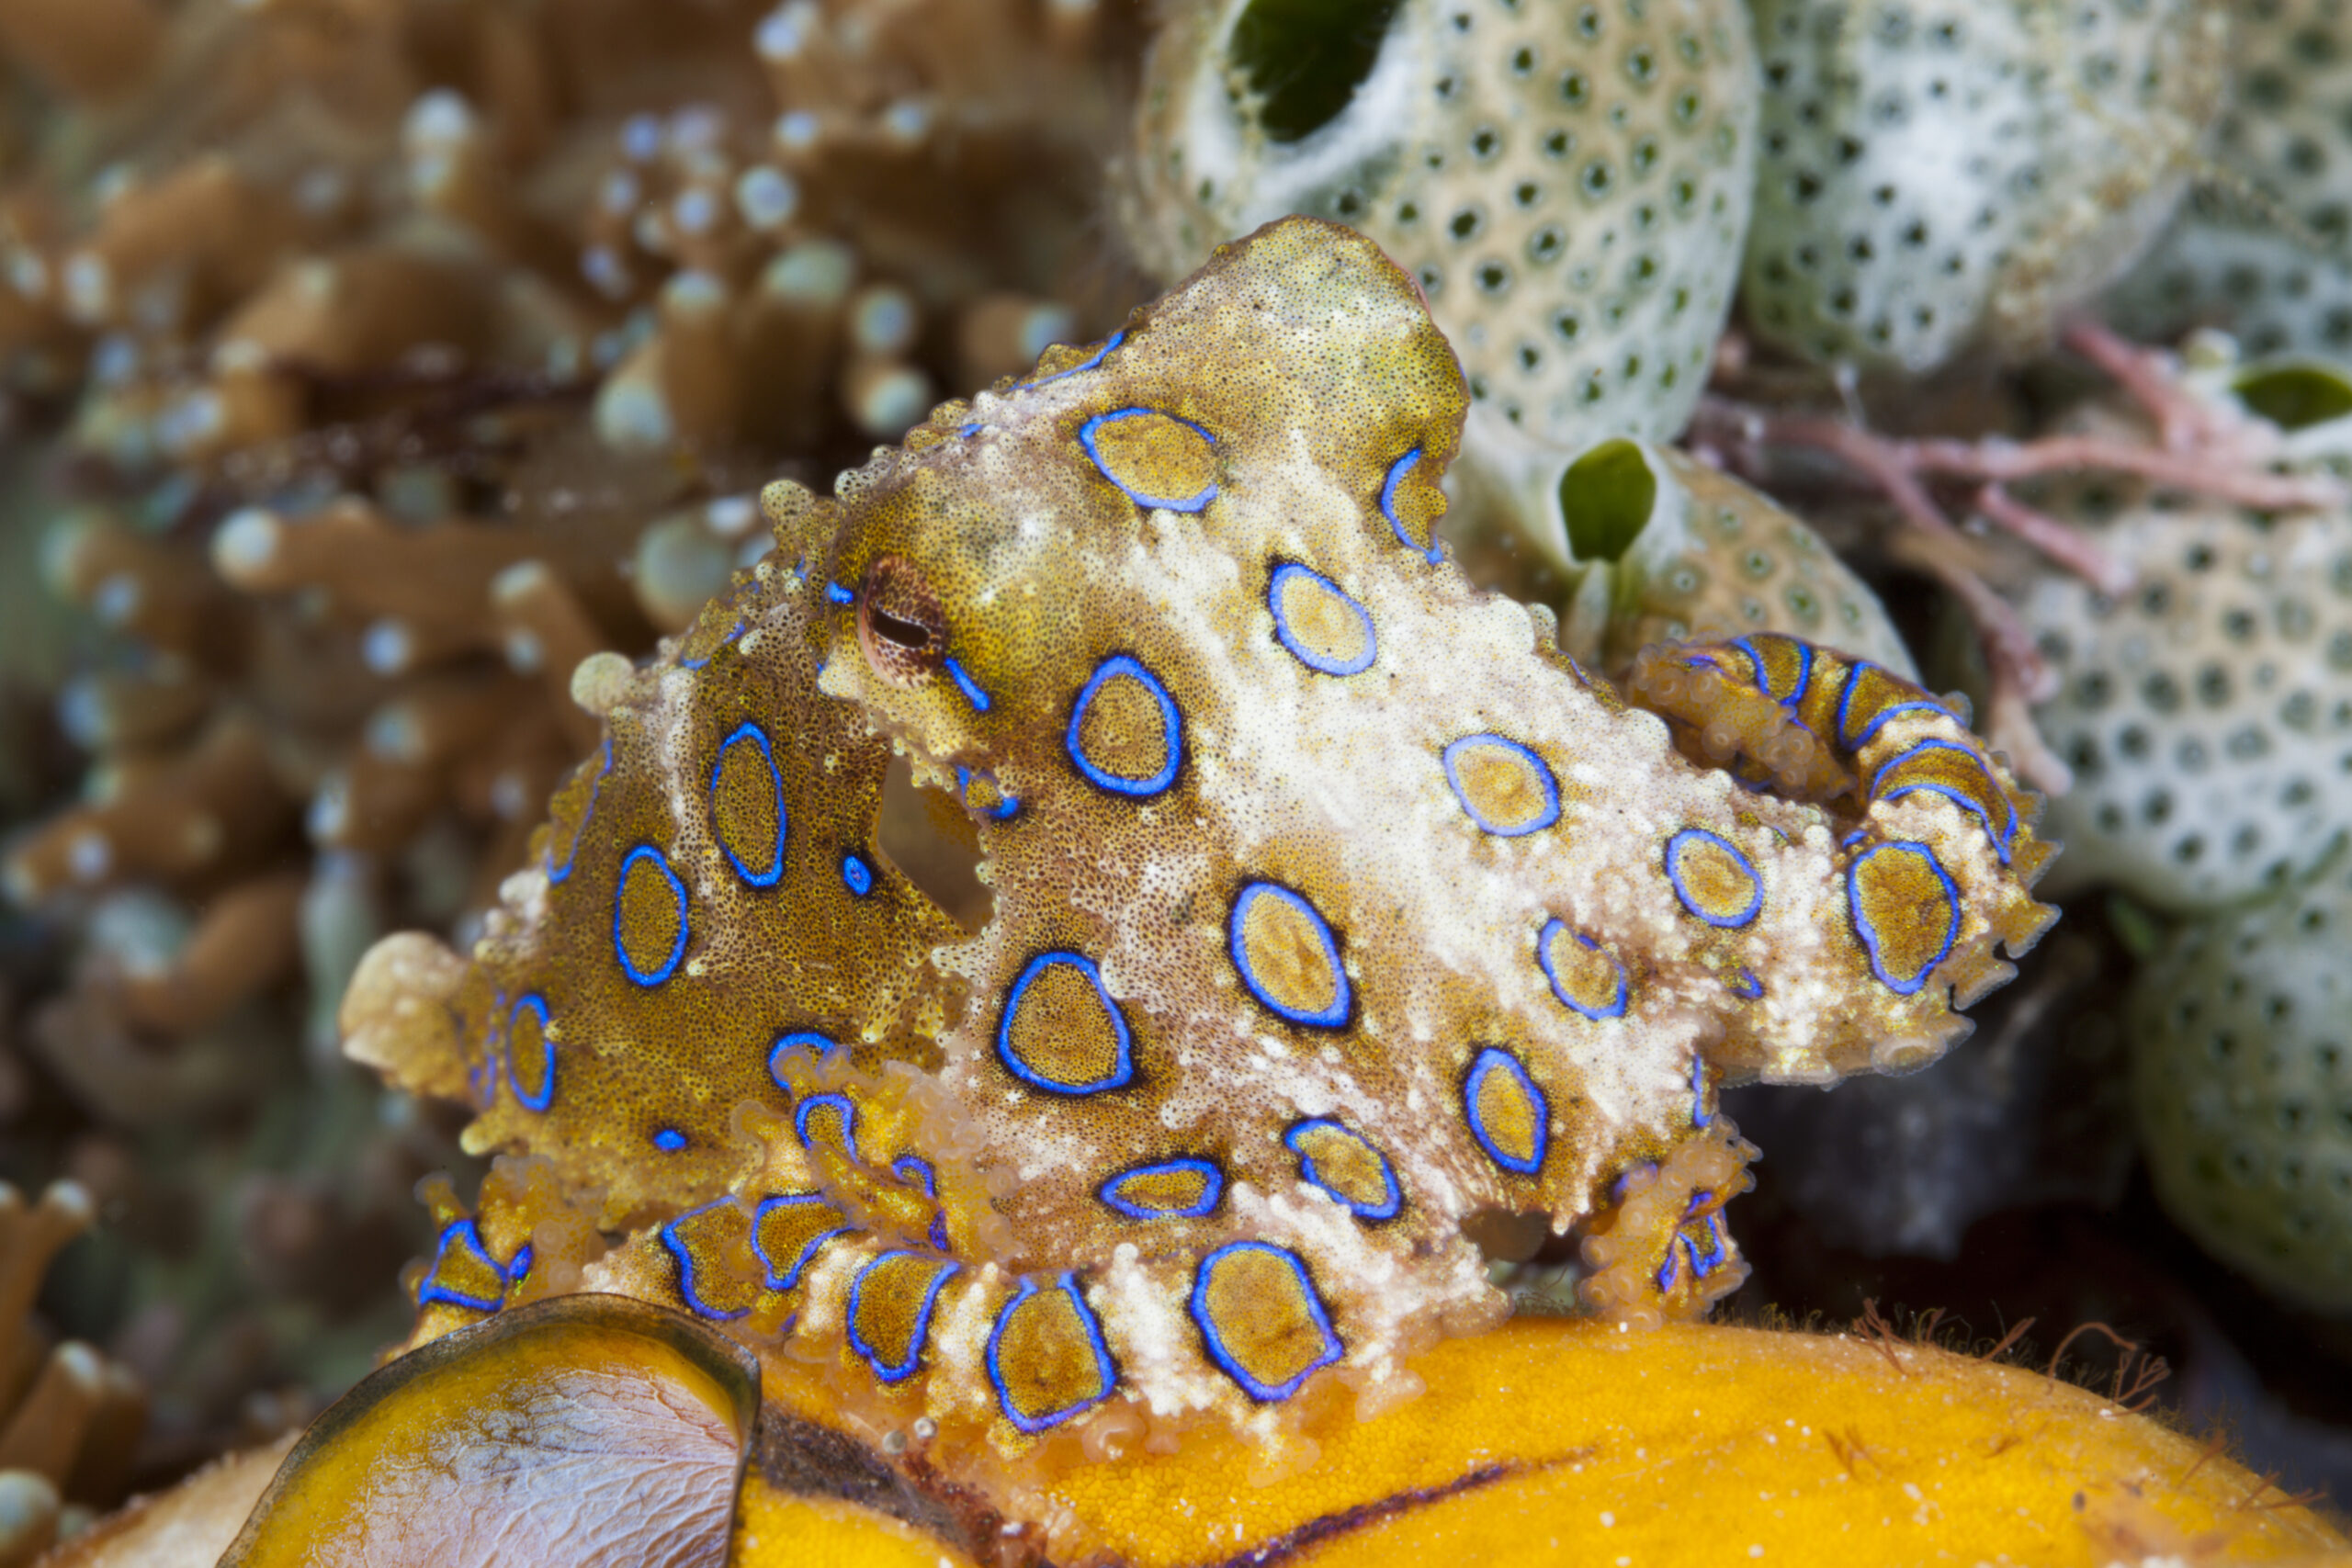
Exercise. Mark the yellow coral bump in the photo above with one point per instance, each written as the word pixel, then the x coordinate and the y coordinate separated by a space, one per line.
pixel 1554 1441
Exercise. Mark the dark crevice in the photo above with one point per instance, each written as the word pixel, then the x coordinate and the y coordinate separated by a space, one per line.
pixel 929 837
pixel 805 1460
pixel 1315 1532
pixel 1306 57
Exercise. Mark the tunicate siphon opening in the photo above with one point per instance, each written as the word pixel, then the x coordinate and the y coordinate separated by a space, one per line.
pixel 928 836
pixel 1306 57
pixel 2294 396
pixel 1606 499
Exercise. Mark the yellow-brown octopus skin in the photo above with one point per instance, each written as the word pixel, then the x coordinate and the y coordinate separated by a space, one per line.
pixel 1333 907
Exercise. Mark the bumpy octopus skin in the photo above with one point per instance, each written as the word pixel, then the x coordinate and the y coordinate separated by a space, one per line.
pixel 1333 907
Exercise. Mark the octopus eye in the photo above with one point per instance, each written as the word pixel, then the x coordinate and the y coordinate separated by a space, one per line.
pixel 899 622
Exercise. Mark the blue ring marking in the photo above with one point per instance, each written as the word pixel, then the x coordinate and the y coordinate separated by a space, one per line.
pixel 971 689
pixel 1299 650
pixel 1674 849
pixel 906 1369
pixel 856 875
pixel 1123 1070
pixel 1542 819
pixel 1845 734
pixel 1556 926
pixel 748 731
pixel 1172 729
pixel 1705 1263
pixel 519 1268
pixel 1804 675
pixel 917 1173
pixel 1264 1393
pixel 669 1140
pixel 558 874
pixel 1106 1372
pixel 1330 1017
pixel 1396 472
pixel 463 1232
pixel 1667 1270
pixel 1088 363
pixel 1999 836
pixel 1392 1200
pixel 538 1005
pixel 1746 985
pixel 799 1040
pixel 1931 744
pixel 1699 1116
pixel 840 1102
pixel 1879 720
pixel 1617 1188
pixel 1869 933
pixel 1212 1190
pixel 1197 502
pixel 789 1279
pixel 686 1258
pixel 706 658
pixel 924 1179
pixel 1005 806
pixel 969 430
pixel 1494 1059
pixel 1755 665
pixel 1845 720
pixel 838 596
pixel 1746 645
pixel 677 943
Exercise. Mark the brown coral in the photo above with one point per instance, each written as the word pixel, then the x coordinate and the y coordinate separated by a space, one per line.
pixel 68 1415
pixel 392 359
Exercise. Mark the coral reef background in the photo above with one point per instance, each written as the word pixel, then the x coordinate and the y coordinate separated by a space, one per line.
pixel 364 364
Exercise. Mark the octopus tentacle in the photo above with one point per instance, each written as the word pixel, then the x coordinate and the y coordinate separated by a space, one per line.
pixel 1331 911
pixel 1937 851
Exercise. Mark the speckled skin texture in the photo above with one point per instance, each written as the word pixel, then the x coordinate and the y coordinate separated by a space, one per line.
pixel 1332 907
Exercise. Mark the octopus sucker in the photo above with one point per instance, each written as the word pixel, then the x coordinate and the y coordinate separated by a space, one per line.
pixel 1333 907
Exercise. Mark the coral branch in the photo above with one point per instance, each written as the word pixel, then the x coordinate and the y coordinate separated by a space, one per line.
pixel 2019 676
pixel 245 941
pixel 2070 548
pixel 2148 376
pixel 99 50
pixel 213 808
pixel 2198 451
pixel 1997 460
